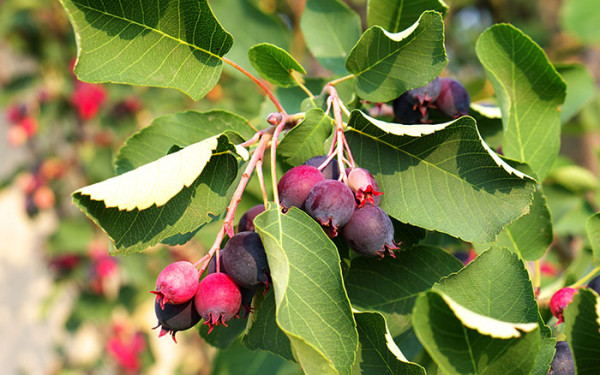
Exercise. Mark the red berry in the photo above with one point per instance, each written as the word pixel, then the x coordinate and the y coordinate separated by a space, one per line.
pixel 560 300
pixel 176 284
pixel 364 186
pixel 296 183
pixel 217 300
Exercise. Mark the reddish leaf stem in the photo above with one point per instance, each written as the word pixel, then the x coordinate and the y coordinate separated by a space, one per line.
pixel 258 82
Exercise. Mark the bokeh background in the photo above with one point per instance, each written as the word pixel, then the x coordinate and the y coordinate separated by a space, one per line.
pixel 70 308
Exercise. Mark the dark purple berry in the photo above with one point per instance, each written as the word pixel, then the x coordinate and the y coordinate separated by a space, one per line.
pixel 244 259
pixel 364 186
pixel 217 300
pixel 595 284
pixel 247 220
pixel 177 283
pixel 331 170
pixel 562 363
pixel 370 232
pixel 454 100
pixel 331 203
pixel 296 183
pixel 405 111
pixel 174 318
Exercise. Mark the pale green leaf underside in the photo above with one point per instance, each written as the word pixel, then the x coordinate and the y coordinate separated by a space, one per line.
pixel 274 64
pixel 458 349
pixel 496 285
pixel 447 181
pixel 157 182
pixel 378 353
pixel 529 92
pixel 330 29
pixel 397 15
pixel 582 327
pixel 385 64
pixel 177 44
pixel 177 129
pixel 312 307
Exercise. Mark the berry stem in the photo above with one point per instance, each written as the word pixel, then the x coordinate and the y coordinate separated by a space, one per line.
pixel 305 89
pixel 585 279
pixel 258 82
pixel 340 80
pixel 278 130
pixel 339 144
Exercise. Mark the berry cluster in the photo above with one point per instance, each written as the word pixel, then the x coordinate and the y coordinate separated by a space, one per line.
pixel 182 299
pixel 351 207
pixel 447 95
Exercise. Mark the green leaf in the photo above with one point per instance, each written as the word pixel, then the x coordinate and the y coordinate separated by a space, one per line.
pixel 592 227
pixel 177 44
pixel 181 129
pixel 546 353
pixel 274 64
pixel 222 336
pixel 312 307
pixel 581 18
pixel 237 360
pixel 458 349
pixel 529 92
pixel 306 139
pixel 395 16
pixel 531 234
pixel 445 180
pixel 385 65
pixel 569 211
pixel 399 280
pixel 71 236
pixel 142 207
pixel 489 123
pixel 582 327
pixel 496 285
pixel 575 178
pixel 377 353
pixel 262 332
pixel 330 29
pixel 580 89
pixel 249 25
pixel 474 318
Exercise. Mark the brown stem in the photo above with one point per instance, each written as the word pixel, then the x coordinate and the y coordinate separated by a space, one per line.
pixel 258 82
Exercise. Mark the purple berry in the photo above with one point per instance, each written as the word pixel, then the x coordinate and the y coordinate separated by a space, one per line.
pixel 174 318
pixel 562 363
pixel 370 232
pixel 331 203
pixel 296 183
pixel 454 100
pixel 331 170
pixel 217 300
pixel 595 284
pixel 427 94
pixel 177 283
pixel 247 220
pixel 364 186
pixel 245 260
pixel 560 300
pixel 405 111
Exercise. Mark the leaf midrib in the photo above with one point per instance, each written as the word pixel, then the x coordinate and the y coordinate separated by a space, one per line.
pixel 181 41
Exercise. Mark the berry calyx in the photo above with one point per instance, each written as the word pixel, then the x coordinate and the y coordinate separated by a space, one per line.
pixel 560 300
pixel 177 283
pixel 331 203
pixel 363 185
pixel 174 318
pixel 370 232
pixel 217 300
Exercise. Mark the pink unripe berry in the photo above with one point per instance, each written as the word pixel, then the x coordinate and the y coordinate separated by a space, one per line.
pixel 177 283
pixel 217 300
pixel 560 300
pixel 363 186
